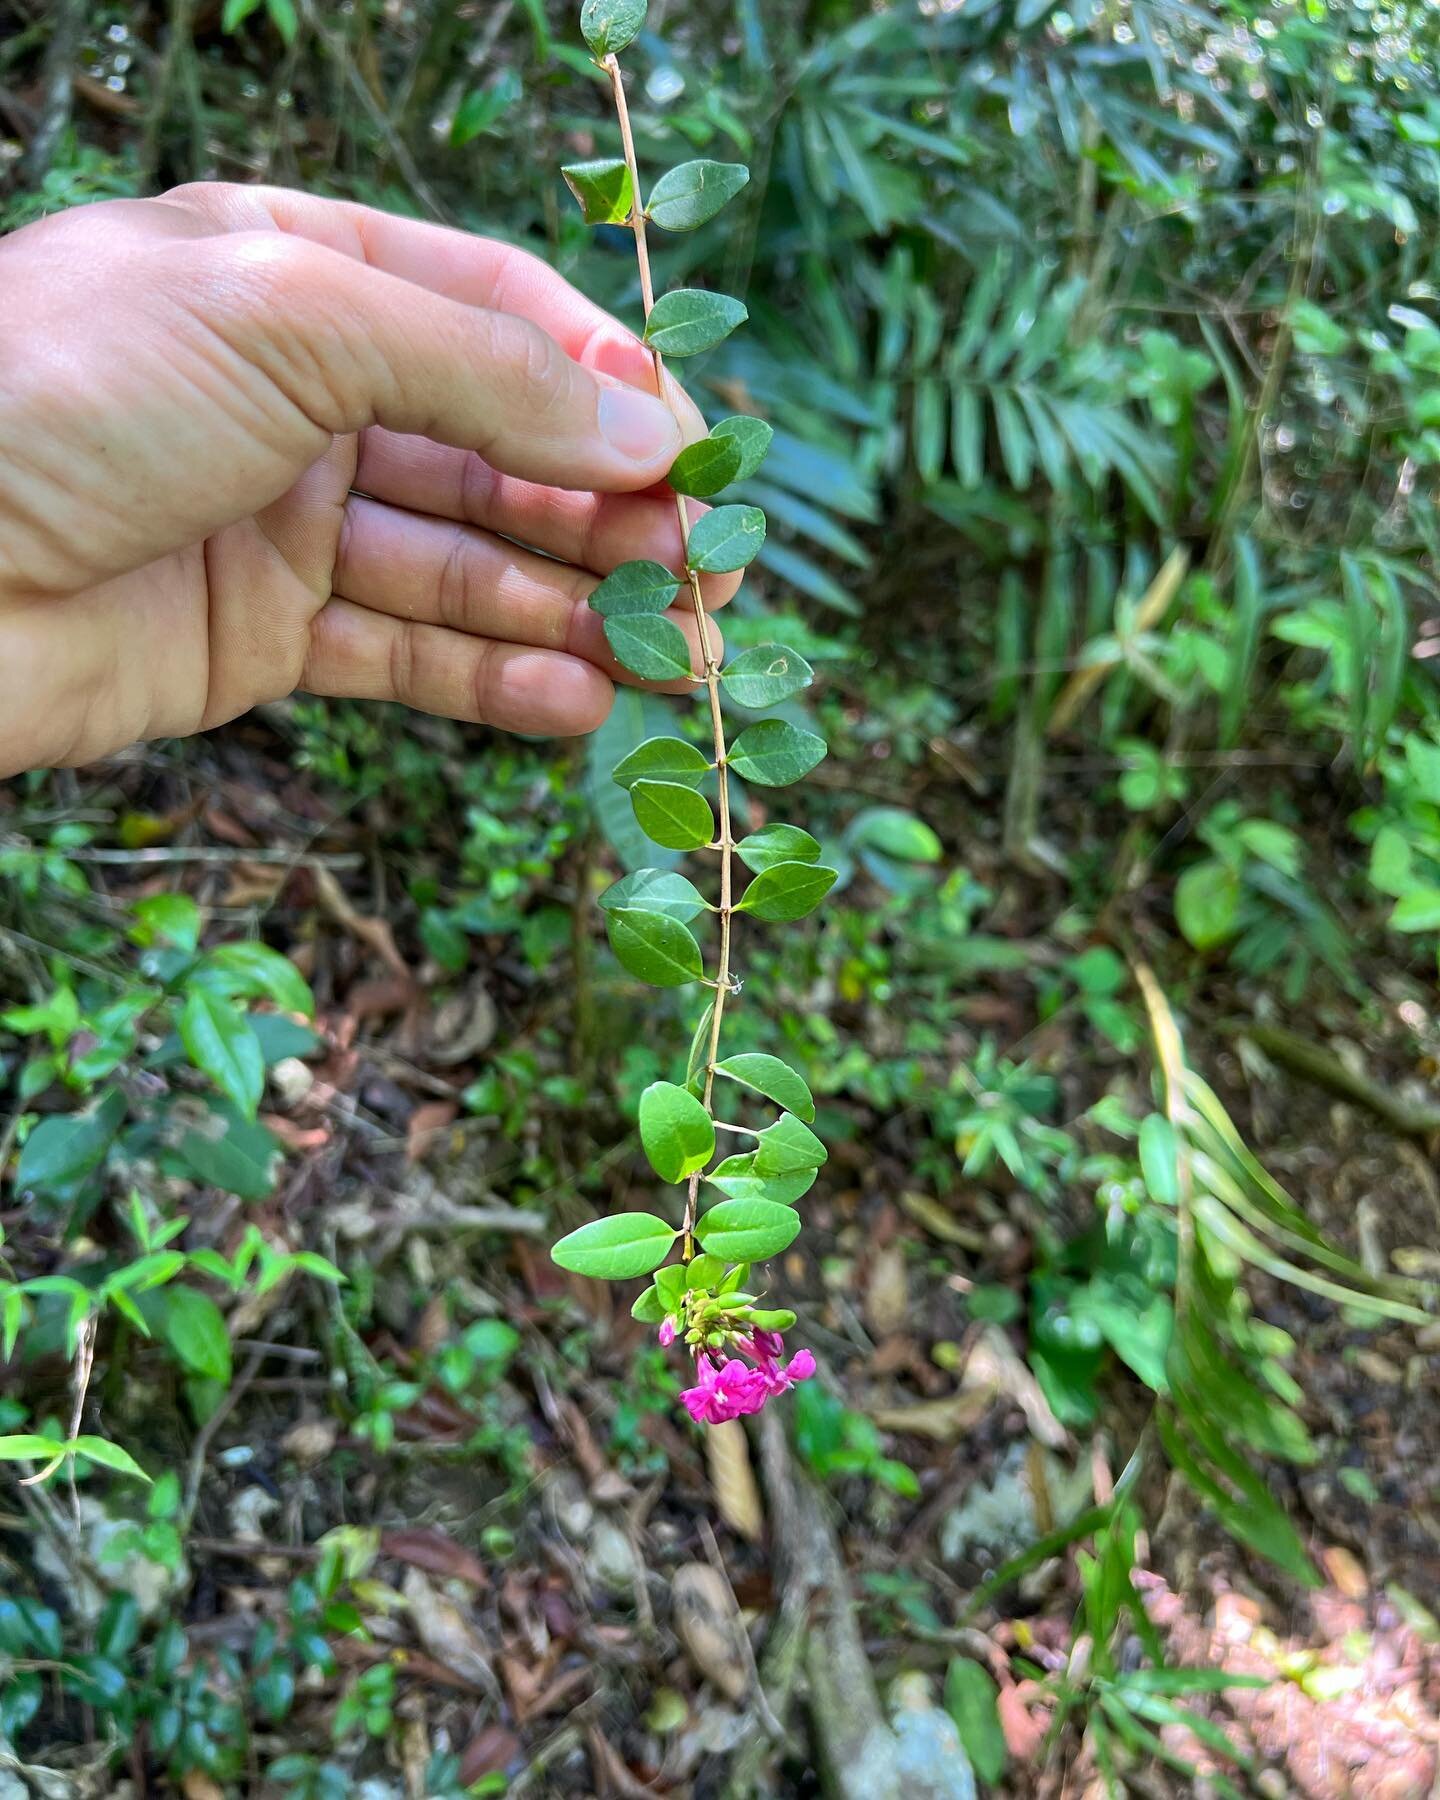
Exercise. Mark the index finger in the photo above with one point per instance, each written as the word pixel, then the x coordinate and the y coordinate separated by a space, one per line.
pixel 477 271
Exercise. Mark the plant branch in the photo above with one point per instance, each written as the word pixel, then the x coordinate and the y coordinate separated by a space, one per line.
pixel 711 668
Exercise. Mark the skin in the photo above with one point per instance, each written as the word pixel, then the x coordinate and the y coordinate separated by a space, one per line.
pixel 252 441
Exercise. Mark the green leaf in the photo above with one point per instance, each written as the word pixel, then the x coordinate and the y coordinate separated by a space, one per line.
pixel 107 1455
pixel 253 971
pixel 26 1447
pixel 747 1230
pixel 774 1079
pixel 656 890
pixel 635 587
pixel 616 1248
pixel 670 1283
pixel 775 753
pixel 1160 1159
pixel 733 451
pixel 1419 910
pixel 672 815
pixel 788 1148
pixel 650 1307
pixel 658 949
pixel 663 759
pixel 650 647
pixel 689 320
pixel 736 1177
pixel 776 844
pixel 726 539
pixel 603 188
pixel 609 25
pixel 63 1150
pixel 172 917
pixel 676 1131
pixel 686 197
pixel 703 1272
pixel 232 1152
pixel 970 1700
pixel 894 832
pixel 766 675
pixel 219 1042
pixel 787 891
pixel 194 1328
pixel 1207 904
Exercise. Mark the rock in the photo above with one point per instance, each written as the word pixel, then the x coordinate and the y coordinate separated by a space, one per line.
pixel 610 1561
pixel 930 1757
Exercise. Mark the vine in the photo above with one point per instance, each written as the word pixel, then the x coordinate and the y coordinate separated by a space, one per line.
pixel 702 1298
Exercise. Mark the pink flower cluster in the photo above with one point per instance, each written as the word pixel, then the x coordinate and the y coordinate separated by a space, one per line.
pixel 734 1389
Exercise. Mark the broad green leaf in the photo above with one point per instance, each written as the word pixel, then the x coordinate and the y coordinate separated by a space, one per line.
pixel 726 539
pixel 733 451
pixel 703 1272
pixel 766 675
pixel 774 1079
pixel 173 917
pixel 776 844
pixel 194 1328
pixel 672 815
pixel 232 1152
pixel 220 1043
pixel 658 949
pixel 107 1455
pixel 670 1283
pixel 787 1148
pixel 771 1077
pixel 970 1700
pixel 609 25
pixel 787 891
pixel 253 971
pixel 1419 910
pixel 689 320
pixel 616 1248
pixel 650 1307
pixel 603 188
pixel 736 1177
pixel 775 753
pixel 774 1318
pixel 64 1149
pixel 656 890
pixel 747 1230
pixel 685 197
pixel 635 587
pixel 894 832
pixel 662 759
pixel 675 1130
pixel 650 647
pixel 1207 904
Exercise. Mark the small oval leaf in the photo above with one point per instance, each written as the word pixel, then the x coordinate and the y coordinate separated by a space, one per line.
pixel 617 1248
pixel 673 815
pixel 787 1148
pixel 686 197
pixel 736 1176
pixel 604 189
pixel 609 25
pixel 776 844
pixel 635 587
pixel 775 753
pixel 774 1079
pixel 726 539
pixel 766 675
pixel 675 1130
pixel 688 320
pixel 787 891
pixel 652 648
pixel 662 759
pixel 658 949
pixel 656 890
pixel 747 1230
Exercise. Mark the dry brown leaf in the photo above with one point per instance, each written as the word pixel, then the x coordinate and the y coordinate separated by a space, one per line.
pixel 374 933
pixel 708 1625
pixel 196 1786
pixel 937 1220
pixel 429 1548
pixel 994 1367
pixel 425 1125
pixel 732 1479
pixel 493 1750
pixel 938 1419
pixel 446 1633
pixel 1345 1571
pixel 887 1292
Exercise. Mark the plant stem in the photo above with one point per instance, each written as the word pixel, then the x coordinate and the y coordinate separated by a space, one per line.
pixel 711 667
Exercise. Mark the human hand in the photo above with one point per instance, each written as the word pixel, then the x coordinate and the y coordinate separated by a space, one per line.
pixel 252 441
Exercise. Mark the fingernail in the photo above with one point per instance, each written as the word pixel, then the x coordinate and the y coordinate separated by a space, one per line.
pixel 637 426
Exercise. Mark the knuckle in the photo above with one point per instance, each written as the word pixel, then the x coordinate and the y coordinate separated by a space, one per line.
pixel 484 680
pixel 401 670
pixel 454 586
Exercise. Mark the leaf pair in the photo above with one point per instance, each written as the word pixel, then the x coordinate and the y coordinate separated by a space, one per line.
pixel 632 601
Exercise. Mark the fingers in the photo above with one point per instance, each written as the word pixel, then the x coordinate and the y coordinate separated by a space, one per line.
pixel 356 654
pixel 476 271
pixel 350 346
pixel 437 573
pixel 591 531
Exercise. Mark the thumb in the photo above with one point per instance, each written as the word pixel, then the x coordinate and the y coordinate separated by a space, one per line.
pixel 353 346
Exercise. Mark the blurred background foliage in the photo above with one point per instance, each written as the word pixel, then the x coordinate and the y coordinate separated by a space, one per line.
pixel 1101 344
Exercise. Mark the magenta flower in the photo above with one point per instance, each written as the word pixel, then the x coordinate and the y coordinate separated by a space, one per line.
pixel 666 1333
pixel 735 1390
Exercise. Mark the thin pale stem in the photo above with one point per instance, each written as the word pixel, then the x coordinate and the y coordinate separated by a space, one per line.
pixel 726 842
